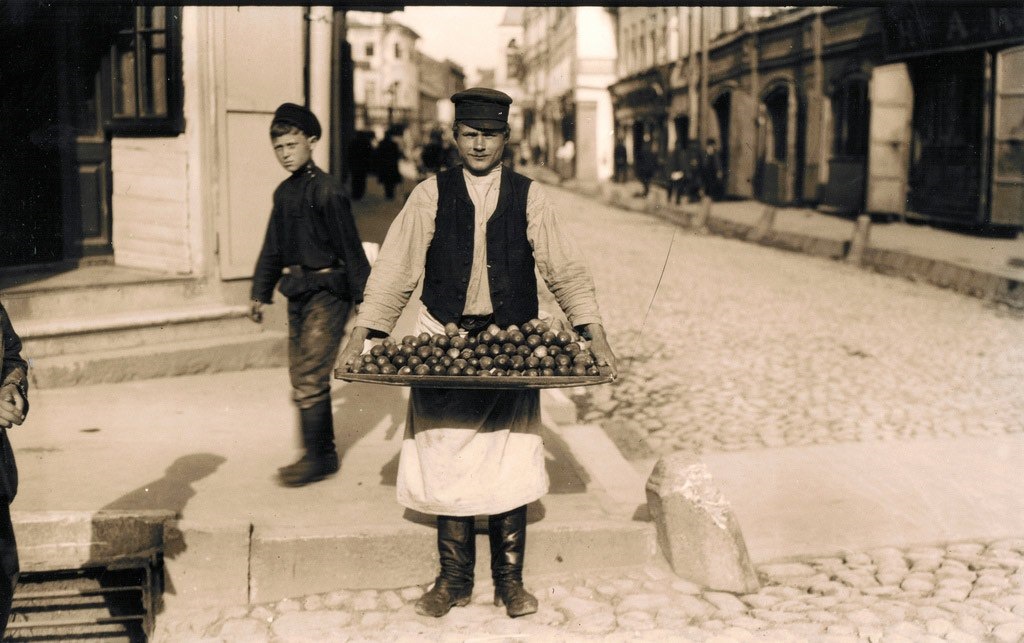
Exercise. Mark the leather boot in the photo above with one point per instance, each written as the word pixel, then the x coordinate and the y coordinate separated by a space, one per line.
pixel 321 457
pixel 507 533
pixel 456 545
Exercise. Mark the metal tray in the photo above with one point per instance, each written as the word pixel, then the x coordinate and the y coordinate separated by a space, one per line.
pixel 477 382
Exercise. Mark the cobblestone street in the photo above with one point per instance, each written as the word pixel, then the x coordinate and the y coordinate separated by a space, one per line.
pixel 736 346
pixel 963 592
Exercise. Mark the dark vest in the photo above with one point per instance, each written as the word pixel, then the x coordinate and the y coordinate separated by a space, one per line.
pixel 510 265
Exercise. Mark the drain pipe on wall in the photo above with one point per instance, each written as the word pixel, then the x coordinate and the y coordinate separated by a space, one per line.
pixel 320 32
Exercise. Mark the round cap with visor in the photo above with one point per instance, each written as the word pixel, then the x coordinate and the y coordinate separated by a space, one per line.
pixel 482 108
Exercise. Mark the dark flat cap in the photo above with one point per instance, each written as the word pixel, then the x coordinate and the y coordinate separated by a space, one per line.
pixel 300 117
pixel 482 107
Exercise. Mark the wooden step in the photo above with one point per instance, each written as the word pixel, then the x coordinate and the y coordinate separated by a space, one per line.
pixel 86 334
pixel 214 354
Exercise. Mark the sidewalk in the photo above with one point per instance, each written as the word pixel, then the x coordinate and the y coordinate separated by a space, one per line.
pixel 985 267
pixel 206 447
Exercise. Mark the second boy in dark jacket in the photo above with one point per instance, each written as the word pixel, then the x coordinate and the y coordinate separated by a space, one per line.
pixel 313 254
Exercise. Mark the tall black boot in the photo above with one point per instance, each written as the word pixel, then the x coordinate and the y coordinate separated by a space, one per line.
pixel 507 533
pixel 321 457
pixel 456 545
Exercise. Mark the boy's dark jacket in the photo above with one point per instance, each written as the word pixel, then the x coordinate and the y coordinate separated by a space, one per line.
pixel 321 196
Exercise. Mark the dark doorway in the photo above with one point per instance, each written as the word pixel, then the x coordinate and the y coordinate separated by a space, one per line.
pixel 55 163
pixel 775 160
pixel 945 147
pixel 682 125
pixel 638 138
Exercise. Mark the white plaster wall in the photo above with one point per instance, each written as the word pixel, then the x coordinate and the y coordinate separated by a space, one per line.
pixel 150 203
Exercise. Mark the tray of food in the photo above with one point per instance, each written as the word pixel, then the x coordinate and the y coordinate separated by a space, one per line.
pixel 529 357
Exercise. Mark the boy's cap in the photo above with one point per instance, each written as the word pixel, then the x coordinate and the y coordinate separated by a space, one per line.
pixel 482 108
pixel 300 117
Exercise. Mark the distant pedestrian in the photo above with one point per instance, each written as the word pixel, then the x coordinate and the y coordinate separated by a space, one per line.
pixel 389 153
pixel 646 165
pixel 13 409
pixel 313 254
pixel 432 157
pixel 359 161
pixel 712 173
pixel 565 160
pixel 621 161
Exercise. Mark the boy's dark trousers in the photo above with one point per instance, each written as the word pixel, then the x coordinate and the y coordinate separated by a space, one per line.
pixel 316 324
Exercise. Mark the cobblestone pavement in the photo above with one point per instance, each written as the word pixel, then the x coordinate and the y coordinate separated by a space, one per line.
pixel 962 592
pixel 736 346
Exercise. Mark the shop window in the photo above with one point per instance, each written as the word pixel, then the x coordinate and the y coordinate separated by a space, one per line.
pixel 144 75
pixel 850 116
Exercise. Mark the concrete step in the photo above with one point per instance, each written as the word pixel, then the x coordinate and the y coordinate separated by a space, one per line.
pixel 290 562
pixel 214 354
pixel 85 294
pixel 120 330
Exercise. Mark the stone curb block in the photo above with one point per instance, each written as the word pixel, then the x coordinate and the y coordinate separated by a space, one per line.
pixel 287 562
pixel 697 530
pixel 59 540
pixel 207 564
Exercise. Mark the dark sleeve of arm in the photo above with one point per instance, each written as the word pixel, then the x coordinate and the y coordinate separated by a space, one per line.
pixel 346 242
pixel 268 265
pixel 15 368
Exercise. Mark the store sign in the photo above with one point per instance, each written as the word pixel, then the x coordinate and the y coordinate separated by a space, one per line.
pixel 913 29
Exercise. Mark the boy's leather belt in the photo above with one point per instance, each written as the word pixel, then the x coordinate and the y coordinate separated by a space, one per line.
pixel 299 270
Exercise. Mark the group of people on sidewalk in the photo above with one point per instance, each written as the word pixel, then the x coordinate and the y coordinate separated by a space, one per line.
pixel 364 158
pixel 690 172
pixel 475 235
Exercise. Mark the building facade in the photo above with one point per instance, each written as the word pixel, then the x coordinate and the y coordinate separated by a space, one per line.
pixel 568 61
pixel 385 77
pixel 905 111
pixel 438 80
pixel 509 72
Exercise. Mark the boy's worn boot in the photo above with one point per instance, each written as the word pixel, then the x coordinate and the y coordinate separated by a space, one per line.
pixel 507 533
pixel 321 457
pixel 456 545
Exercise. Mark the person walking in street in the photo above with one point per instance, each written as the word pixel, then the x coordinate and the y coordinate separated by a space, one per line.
pixel 711 172
pixel 646 167
pixel 13 409
pixel 565 160
pixel 474 236
pixel 358 162
pixel 677 169
pixel 432 157
pixel 621 158
pixel 389 153
pixel 313 254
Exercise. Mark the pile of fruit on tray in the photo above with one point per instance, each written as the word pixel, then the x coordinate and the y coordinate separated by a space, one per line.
pixel 531 350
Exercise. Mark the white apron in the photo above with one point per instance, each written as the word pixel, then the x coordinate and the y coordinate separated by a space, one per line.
pixel 470 452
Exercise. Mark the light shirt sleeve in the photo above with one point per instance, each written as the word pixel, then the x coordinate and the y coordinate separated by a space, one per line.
pixel 399 265
pixel 559 261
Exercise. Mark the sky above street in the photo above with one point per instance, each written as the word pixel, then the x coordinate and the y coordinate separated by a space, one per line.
pixel 466 35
